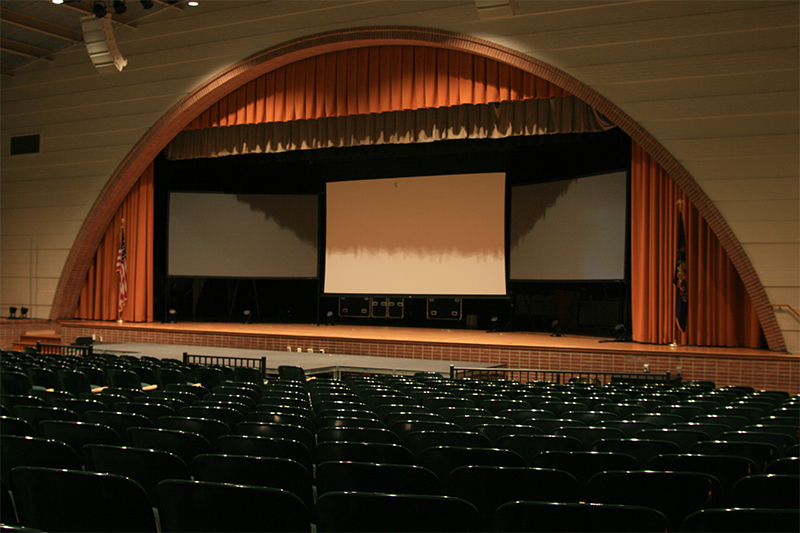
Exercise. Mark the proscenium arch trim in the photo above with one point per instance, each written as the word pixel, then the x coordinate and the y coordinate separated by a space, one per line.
pixel 173 121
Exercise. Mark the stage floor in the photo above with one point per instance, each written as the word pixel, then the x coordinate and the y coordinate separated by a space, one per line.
pixel 441 336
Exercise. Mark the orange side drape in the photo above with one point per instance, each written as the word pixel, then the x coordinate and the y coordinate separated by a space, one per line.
pixel 373 79
pixel 720 311
pixel 99 295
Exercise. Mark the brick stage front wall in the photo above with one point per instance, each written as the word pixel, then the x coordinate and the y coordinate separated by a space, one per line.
pixel 763 372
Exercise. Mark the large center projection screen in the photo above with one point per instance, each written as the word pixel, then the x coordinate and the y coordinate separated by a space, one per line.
pixel 423 236
pixel 243 235
pixel 569 230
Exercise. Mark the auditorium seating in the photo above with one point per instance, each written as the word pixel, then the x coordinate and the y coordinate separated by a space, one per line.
pixel 461 454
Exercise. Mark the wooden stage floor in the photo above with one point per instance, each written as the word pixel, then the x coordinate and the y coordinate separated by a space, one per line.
pixel 442 336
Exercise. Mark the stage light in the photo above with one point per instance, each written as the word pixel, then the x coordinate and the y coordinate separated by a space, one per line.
pixel 120 7
pixel 556 325
pixel 329 314
pixel 246 317
pixel 494 324
pixel 12 312
pixel 99 10
pixel 173 316
pixel 24 312
pixel 147 4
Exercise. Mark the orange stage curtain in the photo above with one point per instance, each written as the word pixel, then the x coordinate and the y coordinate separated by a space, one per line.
pixel 720 311
pixel 99 295
pixel 373 79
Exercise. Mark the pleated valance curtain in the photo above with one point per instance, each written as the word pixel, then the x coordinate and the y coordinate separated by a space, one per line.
pixel 375 79
pixel 720 313
pixel 98 299
pixel 482 121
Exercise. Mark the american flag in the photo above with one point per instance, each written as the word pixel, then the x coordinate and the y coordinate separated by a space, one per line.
pixel 122 270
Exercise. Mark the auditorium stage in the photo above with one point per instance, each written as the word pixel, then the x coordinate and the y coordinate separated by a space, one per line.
pixel 761 369
pixel 213 332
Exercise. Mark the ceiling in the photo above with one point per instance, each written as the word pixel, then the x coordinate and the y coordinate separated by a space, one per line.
pixel 34 30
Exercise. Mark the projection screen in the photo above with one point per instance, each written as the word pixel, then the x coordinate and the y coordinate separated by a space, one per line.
pixel 243 235
pixel 424 235
pixel 569 230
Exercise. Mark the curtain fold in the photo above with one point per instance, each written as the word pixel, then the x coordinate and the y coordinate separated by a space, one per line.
pixel 720 312
pixel 98 299
pixel 485 121
pixel 375 79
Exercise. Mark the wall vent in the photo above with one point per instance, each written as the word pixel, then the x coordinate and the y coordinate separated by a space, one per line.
pixel 25 144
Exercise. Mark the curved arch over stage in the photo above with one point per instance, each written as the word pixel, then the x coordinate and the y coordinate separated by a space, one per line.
pixel 147 148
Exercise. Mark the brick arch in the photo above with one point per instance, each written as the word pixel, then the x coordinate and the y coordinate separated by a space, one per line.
pixel 173 121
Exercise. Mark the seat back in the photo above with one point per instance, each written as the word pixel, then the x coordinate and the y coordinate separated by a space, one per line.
pixel 77 434
pixel 119 422
pixel 146 466
pixel 773 491
pixel 208 506
pixel 584 464
pixel 370 511
pixel 675 494
pixel 742 520
pixel 181 443
pixel 347 476
pixel 442 460
pixel 34 451
pixel 529 446
pixel 489 487
pixel 272 472
pixel 266 447
pixel 70 500
pixel 363 452
pixel 569 516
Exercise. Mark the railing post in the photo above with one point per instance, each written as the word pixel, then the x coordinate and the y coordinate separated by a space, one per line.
pixel 452 372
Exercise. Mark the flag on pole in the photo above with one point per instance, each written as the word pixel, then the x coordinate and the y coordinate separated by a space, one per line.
pixel 679 280
pixel 122 271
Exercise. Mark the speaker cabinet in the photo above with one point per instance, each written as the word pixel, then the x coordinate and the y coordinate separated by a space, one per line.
pixel 357 307
pixel 444 308
pixel 98 35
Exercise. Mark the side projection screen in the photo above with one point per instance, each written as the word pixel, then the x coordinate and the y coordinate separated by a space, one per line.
pixel 569 230
pixel 243 235
pixel 425 236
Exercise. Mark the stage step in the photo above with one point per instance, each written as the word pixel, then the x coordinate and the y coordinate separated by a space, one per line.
pixel 30 338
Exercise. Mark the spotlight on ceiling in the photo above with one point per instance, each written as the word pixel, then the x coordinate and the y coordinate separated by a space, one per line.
pixel 12 312
pixel 246 317
pixel 99 10
pixel 120 7
pixel 173 316
pixel 556 325
pixel 147 4
pixel 23 312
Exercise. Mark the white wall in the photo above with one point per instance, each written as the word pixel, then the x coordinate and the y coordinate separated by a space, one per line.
pixel 716 82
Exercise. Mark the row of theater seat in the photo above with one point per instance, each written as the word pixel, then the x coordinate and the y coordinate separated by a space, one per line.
pixel 418 437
